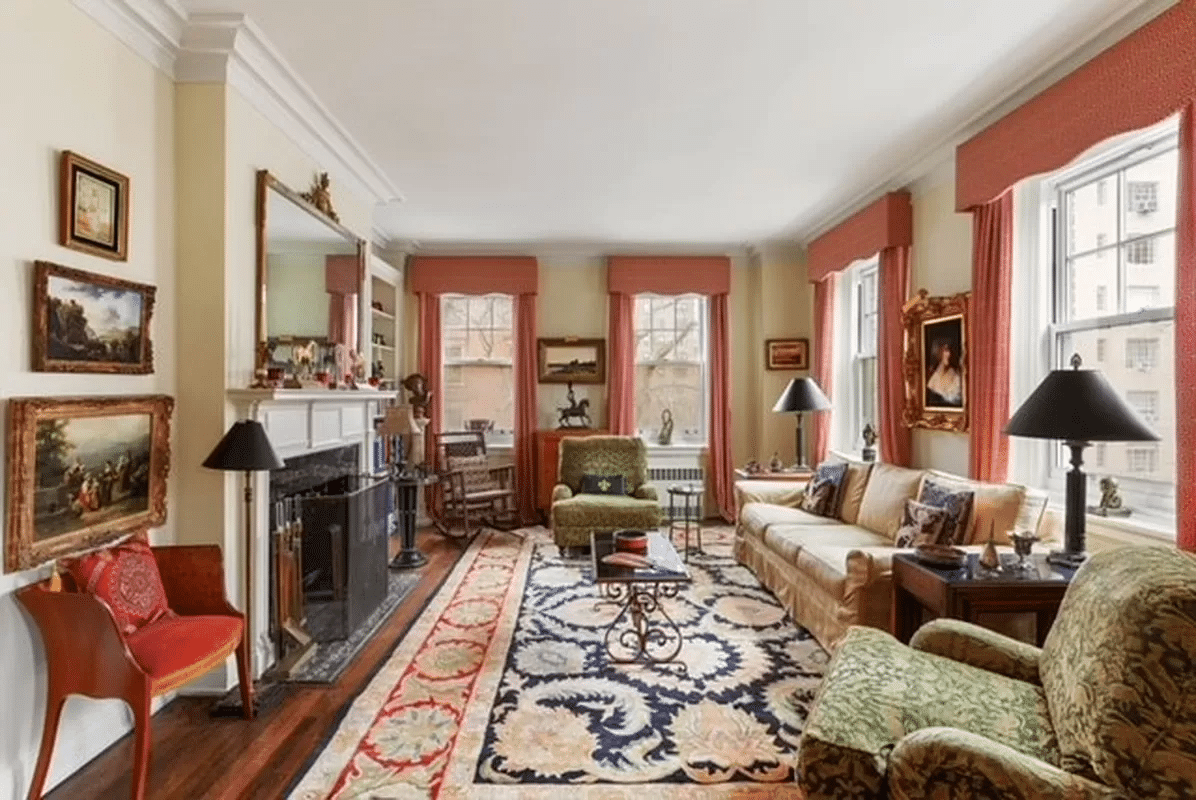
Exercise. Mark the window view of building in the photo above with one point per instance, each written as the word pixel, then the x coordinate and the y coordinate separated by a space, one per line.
pixel 477 336
pixel 671 355
pixel 854 386
pixel 864 389
pixel 1115 301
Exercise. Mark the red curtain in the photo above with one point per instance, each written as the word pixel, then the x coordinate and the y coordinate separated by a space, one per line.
pixel 1185 333
pixel 721 460
pixel 622 364
pixel 525 405
pixel 340 281
pixel 896 443
pixel 824 336
pixel 430 364
pixel 988 338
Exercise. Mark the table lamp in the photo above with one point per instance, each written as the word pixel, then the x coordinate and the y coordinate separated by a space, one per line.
pixel 1078 406
pixel 246 448
pixel 802 394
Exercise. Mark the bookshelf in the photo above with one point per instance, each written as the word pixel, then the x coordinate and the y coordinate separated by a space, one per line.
pixel 386 299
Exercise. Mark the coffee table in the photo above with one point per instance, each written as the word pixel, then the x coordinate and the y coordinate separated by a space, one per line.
pixel 966 592
pixel 642 632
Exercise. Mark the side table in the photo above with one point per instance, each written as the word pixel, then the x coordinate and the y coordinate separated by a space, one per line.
pixel 966 592
pixel 406 502
pixel 685 513
pixel 783 475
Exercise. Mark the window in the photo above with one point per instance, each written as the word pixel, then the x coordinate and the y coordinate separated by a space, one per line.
pixel 671 365
pixel 477 335
pixel 854 382
pixel 864 389
pixel 1122 303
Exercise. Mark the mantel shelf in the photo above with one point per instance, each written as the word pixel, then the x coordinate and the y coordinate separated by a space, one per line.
pixel 365 395
pixel 386 347
pixel 383 314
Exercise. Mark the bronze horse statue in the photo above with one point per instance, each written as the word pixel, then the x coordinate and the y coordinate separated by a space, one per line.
pixel 579 410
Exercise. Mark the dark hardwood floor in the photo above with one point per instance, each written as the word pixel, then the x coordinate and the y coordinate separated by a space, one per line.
pixel 194 756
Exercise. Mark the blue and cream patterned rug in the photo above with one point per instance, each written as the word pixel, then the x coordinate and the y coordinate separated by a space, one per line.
pixel 502 689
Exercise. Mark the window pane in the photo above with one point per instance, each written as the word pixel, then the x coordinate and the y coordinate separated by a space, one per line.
pixel 483 391
pixel 1089 223
pixel 677 388
pixel 1091 289
pixel 1149 195
pixel 868 393
pixel 479 374
pixel 670 364
pixel 1149 272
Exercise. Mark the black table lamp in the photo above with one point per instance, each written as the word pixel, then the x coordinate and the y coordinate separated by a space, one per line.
pixel 246 448
pixel 1079 406
pixel 802 394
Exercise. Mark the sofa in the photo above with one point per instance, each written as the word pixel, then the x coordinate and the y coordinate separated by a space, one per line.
pixel 575 514
pixel 834 571
pixel 1105 709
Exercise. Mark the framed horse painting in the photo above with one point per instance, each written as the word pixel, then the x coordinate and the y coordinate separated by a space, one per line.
pixel 572 360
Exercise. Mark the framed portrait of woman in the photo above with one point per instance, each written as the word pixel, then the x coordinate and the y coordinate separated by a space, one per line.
pixel 935 365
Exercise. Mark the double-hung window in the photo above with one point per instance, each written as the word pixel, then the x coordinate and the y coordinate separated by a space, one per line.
pixel 855 385
pixel 477 337
pixel 1114 304
pixel 672 366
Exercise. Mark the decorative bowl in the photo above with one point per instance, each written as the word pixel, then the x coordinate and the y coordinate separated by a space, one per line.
pixel 631 542
pixel 940 555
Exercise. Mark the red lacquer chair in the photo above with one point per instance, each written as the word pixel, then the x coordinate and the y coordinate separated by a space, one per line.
pixel 87 652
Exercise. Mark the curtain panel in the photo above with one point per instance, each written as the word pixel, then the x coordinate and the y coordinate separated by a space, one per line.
pixel 824 363
pixel 622 364
pixel 526 377
pixel 896 440
pixel 340 282
pixel 1185 333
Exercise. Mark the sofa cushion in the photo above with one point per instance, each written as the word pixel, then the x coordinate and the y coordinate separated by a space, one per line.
pixel 126 578
pixel 786 539
pixel 888 488
pixel 758 516
pixel 851 493
pixel 605 511
pixel 924 524
pixel 174 650
pixel 822 491
pixel 995 507
pixel 957 505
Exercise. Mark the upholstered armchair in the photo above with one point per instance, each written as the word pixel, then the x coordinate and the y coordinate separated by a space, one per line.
pixel 575 515
pixel 1105 709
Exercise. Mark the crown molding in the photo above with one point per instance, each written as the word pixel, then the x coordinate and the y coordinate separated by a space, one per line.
pixel 900 171
pixel 582 248
pixel 230 48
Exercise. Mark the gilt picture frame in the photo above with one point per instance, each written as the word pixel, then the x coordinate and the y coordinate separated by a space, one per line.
pixel 93 206
pixel 935 365
pixel 786 353
pixel 571 360
pixel 82 472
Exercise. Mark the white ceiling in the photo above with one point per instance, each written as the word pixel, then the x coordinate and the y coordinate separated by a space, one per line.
pixel 653 121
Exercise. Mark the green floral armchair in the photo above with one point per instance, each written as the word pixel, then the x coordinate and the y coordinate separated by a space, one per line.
pixel 575 515
pixel 1106 709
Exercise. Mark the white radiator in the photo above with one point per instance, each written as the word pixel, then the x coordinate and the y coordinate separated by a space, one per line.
pixel 669 467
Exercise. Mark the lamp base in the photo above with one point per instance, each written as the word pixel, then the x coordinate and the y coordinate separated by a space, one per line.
pixel 1066 558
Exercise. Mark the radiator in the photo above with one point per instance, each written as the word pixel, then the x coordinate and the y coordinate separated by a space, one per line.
pixel 670 468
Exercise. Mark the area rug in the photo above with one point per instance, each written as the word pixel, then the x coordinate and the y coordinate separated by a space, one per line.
pixel 502 689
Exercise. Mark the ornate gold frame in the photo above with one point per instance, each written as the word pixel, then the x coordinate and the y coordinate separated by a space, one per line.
pixel 595 375
pixel 916 315
pixel 23 550
pixel 69 164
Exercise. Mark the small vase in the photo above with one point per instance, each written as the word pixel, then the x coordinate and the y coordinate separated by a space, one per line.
pixel 989 559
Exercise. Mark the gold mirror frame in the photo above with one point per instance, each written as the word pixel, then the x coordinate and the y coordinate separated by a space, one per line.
pixel 947 318
pixel 265 183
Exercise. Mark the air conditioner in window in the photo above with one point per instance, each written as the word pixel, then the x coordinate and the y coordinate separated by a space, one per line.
pixel 1144 205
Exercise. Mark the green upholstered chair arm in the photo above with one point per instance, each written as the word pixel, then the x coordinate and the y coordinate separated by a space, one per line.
pixel 645 492
pixel 979 647
pixel 561 492
pixel 947 762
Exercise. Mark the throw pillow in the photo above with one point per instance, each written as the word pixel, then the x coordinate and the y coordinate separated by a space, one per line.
pixel 921 524
pixel 603 484
pixel 822 491
pixel 957 504
pixel 475 471
pixel 126 578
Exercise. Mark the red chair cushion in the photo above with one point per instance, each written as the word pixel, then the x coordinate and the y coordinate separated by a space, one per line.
pixel 126 578
pixel 174 650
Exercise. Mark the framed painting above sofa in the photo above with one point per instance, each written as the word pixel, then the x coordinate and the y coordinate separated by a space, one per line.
pixel 935 365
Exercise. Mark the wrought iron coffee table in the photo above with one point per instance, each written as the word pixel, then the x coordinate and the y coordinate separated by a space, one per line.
pixel 642 632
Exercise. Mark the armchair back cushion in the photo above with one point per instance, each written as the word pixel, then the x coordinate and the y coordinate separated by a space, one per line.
pixel 1119 671
pixel 126 578
pixel 603 455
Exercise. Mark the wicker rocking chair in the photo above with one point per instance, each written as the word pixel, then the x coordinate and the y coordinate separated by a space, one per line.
pixel 472 494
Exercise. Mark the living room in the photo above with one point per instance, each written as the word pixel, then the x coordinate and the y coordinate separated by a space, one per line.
pixel 188 101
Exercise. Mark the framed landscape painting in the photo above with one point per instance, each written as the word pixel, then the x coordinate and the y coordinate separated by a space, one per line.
pixel 787 354
pixel 82 472
pixel 935 365
pixel 93 208
pixel 572 360
pixel 85 322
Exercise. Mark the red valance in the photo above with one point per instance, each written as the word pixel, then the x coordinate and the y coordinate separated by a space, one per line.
pixel 708 275
pixel 513 275
pixel 1139 81
pixel 888 222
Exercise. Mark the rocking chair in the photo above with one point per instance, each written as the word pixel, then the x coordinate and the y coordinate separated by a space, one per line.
pixel 473 494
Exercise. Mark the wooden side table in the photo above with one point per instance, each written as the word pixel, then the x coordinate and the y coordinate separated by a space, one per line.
pixel 783 475
pixel 965 592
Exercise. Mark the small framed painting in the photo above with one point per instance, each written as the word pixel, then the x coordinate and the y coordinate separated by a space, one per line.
pixel 85 322
pixel 787 354
pixel 93 208
pixel 936 362
pixel 572 360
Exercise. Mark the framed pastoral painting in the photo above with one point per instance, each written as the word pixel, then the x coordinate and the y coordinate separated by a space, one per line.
pixel 572 360
pixel 83 471
pixel 86 322
pixel 935 363
pixel 787 354
pixel 93 208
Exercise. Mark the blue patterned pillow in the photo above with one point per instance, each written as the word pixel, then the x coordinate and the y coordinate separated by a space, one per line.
pixel 822 491
pixel 957 504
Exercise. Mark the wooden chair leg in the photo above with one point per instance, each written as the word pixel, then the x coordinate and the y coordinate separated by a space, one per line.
pixel 245 678
pixel 141 743
pixel 49 734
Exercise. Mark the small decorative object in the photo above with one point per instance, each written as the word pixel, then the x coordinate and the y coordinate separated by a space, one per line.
pixel 1110 499
pixel 775 464
pixel 990 559
pixel 377 371
pixel 869 437
pixel 935 363
pixel 93 208
pixel 572 360
pixel 82 471
pixel 753 467
pixel 479 425
pixel 631 542
pixel 421 398
pixel 576 410
pixel 304 359
pixel 941 555
pixel 320 196
pixel 787 354
pixel 84 322
pixel 1023 545
pixel 666 427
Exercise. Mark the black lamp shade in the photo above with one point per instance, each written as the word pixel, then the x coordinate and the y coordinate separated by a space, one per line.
pixel 246 448
pixel 1078 405
pixel 802 394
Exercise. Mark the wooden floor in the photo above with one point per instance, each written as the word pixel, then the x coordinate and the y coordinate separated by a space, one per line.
pixel 194 756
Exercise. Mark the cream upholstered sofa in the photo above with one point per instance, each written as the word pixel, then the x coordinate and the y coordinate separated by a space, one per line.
pixel 834 572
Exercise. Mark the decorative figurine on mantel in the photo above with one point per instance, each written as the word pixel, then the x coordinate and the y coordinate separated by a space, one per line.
pixel 776 465
pixel 420 398
pixel 1110 499
pixel 666 427
pixel 869 437
pixel 577 409
pixel 320 196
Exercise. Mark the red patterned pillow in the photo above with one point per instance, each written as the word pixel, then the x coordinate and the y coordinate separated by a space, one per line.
pixel 126 578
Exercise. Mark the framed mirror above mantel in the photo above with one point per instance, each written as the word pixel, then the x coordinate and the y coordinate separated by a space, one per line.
pixel 311 291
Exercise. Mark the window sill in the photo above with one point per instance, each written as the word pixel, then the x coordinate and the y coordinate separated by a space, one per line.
pixel 1126 528
pixel 681 448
